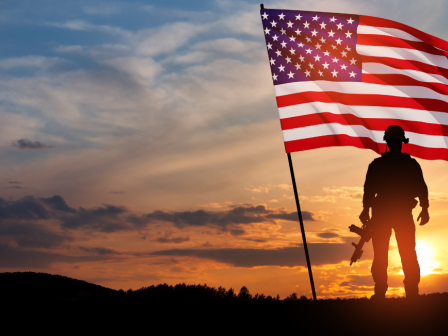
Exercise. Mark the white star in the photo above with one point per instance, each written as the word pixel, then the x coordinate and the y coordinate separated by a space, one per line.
pixel 266 31
pixel 308 51
pixel 326 53
pixel 301 58
pixel 352 74
pixel 290 75
pixel 308 39
pixel 265 16
pixel 288 60
pixel 269 45
pixel 283 44
pixel 275 37
pixel 307 73
pixel 317 58
pixel 348 34
pixel 298 66
pixel 320 73
pixel 325 65
pixel 311 66
pixel 274 77
pixel 335 73
pixel 298 31
pixel 353 61
pixel 333 19
pixel 289 24
pixel 315 18
pixel 283 31
pixel 344 67
pixel 273 23
pixel 340 26
pixel 344 53
pixel 282 68
pixel 322 39
pixel 272 61
pixel 318 46
pixel 281 16
pixel 292 51
pixel 306 24
pixel 314 32
pixel 335 59
pixel 333 46
pixel 331 33
pixel 300 44
pixel 350 21
pixel 292 38
pixel 348 48
pixel 323 25
pixel 338 41
pixel 298 17
pixel 278 52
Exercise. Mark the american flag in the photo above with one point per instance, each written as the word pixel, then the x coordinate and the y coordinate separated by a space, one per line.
pixel 342 79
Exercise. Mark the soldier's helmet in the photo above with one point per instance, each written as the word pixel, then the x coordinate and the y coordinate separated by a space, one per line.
pixel 395 132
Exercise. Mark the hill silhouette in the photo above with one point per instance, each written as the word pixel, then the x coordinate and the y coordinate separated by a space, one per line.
pixel 54 299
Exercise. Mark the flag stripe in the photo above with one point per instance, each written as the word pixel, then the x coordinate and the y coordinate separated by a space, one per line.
pixel 369 30
pixel 379 22
pixel 406 65
pixel 390 41
pixel 365 112
pixel 398 80
pixel 374 124
pixel 360 142
pixel 430 141
pixel 403 54
pixel 366 89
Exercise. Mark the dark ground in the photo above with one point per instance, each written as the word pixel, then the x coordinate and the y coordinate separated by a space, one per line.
pixel 46 302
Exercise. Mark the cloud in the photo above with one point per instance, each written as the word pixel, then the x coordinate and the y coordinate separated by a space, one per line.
pixel 14 182
pixel 176 240
pixel 351 193
pixel 327 235
pixel 28 144
pixel 438 196
pixel 260 189
pixel 30 62
pixel 15 187
pixel 319 199
pixel 320 254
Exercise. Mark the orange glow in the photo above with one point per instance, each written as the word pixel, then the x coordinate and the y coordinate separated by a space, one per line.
pixel 425 255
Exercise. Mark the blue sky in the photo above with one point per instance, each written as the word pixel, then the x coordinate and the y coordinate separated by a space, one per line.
pixel 168 105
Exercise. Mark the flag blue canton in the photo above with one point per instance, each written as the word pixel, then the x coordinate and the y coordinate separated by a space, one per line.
pixel 308 46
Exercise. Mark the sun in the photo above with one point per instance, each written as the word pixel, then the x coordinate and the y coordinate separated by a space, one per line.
pixel 426 253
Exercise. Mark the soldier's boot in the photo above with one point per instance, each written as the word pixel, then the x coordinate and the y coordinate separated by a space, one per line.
pixel 411 292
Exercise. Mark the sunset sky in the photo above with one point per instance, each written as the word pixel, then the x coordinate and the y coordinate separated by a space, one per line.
pixel 140 144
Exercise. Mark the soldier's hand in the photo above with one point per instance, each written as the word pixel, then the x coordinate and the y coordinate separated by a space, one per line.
pixel 364 217
pixel 424 216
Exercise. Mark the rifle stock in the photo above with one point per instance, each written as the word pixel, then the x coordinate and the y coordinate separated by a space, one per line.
pixel 365 234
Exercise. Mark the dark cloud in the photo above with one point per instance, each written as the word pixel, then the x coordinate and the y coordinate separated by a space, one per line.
pixel 58 203
pixel 28 144
pixel 257 240
pixel 327 235
pixel 11 257
pixel 32 235
pixel 27 207
pixel 176 240
pixel 320 254
pixel 99 250
pixel 292 216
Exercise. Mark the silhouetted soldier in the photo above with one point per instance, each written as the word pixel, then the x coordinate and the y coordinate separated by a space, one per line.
pixel 392 183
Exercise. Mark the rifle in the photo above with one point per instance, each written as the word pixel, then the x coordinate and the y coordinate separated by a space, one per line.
pixel 366 233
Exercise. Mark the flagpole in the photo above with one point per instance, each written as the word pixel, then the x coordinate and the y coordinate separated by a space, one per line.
pixel 302 228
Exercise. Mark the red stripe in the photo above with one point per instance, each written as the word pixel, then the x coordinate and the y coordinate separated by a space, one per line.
pixel 378 22
pixel 374 124
pixel 395 42
pixel 345 140
pixel 403 80
pixel 406 65
pixel 362 100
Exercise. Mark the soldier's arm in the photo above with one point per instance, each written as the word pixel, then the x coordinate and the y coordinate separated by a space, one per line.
pixel 422 193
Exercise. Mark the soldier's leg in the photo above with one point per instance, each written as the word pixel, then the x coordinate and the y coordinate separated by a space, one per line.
pixel 405 234
pixel 380 243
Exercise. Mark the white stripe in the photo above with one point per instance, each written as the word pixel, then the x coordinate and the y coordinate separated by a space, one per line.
pixel 369 30
pixel 430 141
pixel 365 112
pixel 378 68
pixel 358 88
pixel 403 54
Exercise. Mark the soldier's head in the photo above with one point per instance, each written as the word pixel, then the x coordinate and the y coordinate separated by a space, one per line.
pixel 394 137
